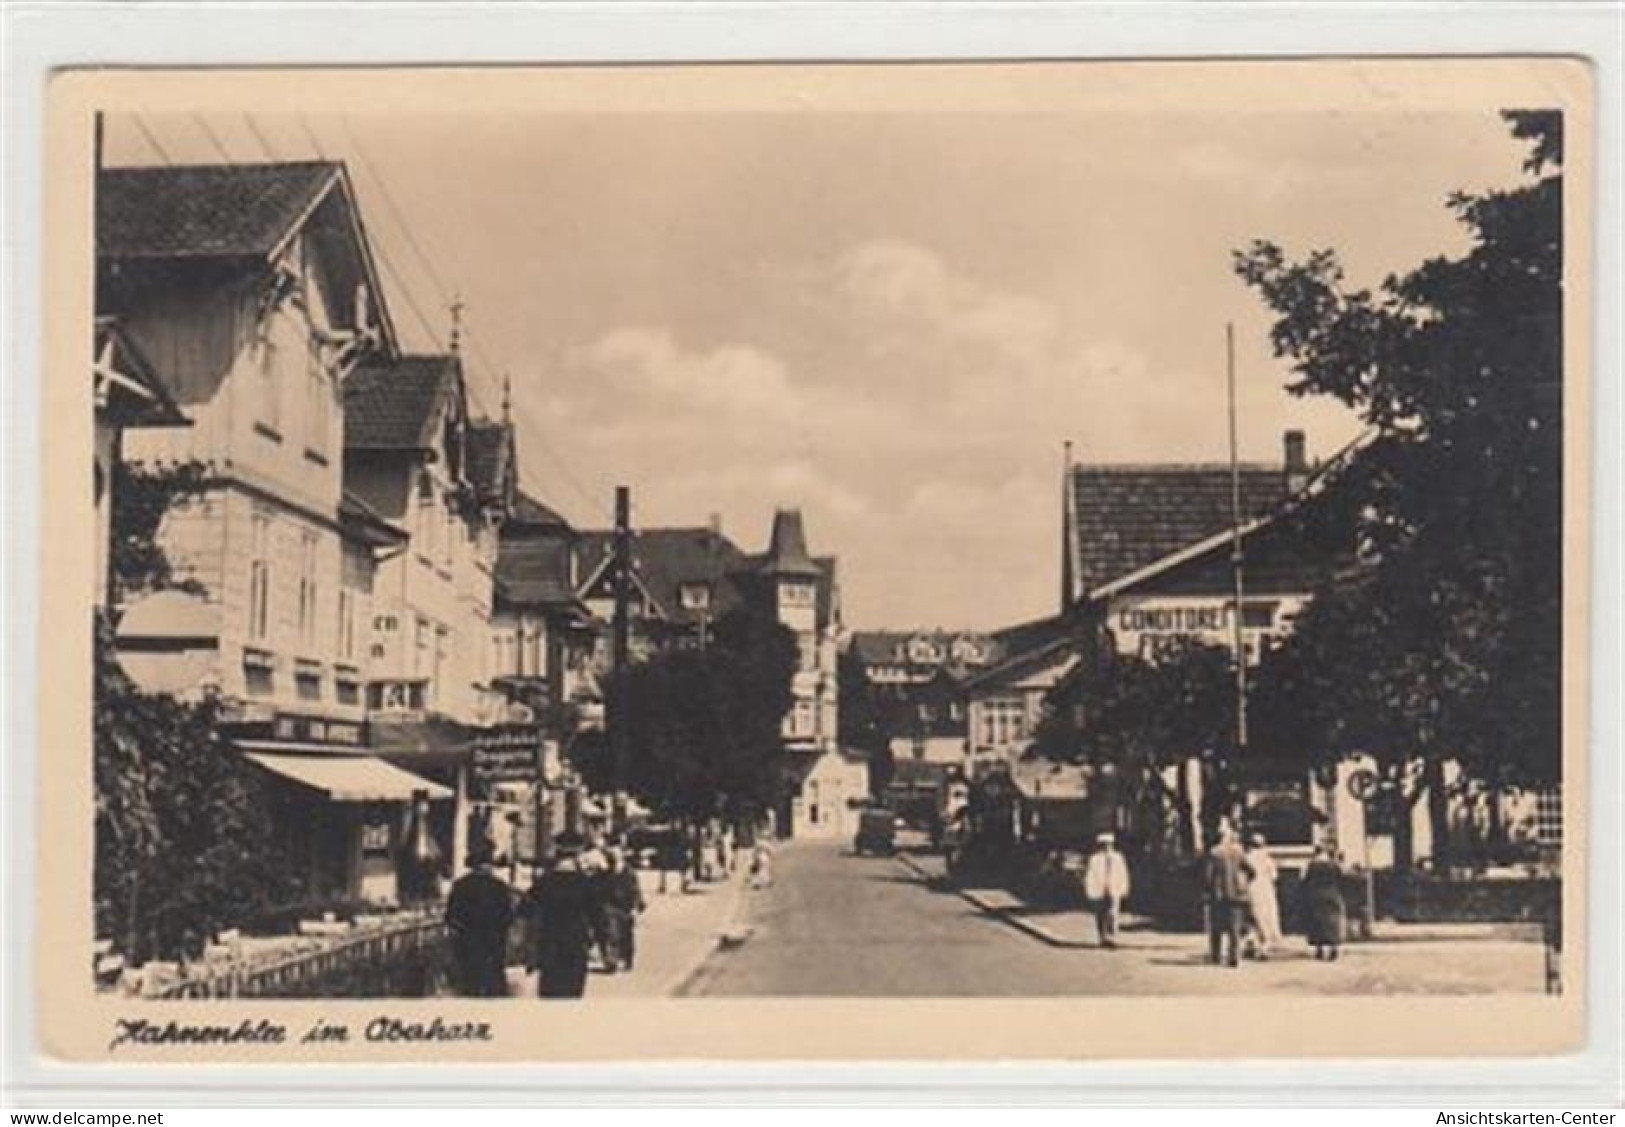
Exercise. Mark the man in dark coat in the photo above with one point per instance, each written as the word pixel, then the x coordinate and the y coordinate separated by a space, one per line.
pixel 623 901
pixel 478 914
pixel 1227 878
pixel 560 909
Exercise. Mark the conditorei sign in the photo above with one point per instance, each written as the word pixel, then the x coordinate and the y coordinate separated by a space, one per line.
pixel 1148 625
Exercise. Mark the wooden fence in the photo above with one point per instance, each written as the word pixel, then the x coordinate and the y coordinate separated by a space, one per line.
pixel 403 960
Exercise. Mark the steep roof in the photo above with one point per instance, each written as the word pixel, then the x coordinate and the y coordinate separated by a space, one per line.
pixel 1127 517
pixel 531 513
pixel 664 559
pixel 787 548
pixel 488 449
pixel 391 404
pixel 206 210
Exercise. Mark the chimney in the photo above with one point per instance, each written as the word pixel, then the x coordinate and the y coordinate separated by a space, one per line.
pixel 1297 463
pixel 714 523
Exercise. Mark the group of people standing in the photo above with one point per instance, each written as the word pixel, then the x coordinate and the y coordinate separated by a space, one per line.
pixel 1243 910
pixel 586 899
pixel 1239 884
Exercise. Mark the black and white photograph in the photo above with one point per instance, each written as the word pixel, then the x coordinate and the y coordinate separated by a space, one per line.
pixel 994 544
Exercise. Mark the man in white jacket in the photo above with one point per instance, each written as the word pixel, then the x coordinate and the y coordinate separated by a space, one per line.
pixel 1105 886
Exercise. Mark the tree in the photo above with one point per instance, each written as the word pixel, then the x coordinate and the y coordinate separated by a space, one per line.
pixel 703 726
pixel 184 843
pixel 1446 643
pixel 1141 717
pixel 142 495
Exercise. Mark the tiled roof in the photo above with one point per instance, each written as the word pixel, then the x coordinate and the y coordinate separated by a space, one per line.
pixel 1127 517
pixel 221 211
pixel 390 404
pixel 531 512
pixel 488 449
pixel 663 559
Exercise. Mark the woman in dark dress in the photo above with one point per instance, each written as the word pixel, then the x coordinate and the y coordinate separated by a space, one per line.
pixel 1323 903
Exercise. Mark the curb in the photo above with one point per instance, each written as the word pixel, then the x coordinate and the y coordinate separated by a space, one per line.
pixel 731 933
pixel 1004 915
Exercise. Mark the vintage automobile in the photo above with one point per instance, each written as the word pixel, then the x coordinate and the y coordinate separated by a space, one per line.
pixel 877 832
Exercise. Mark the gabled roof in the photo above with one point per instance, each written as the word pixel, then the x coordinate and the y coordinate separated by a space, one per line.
pixel 363 523
pixel 1028 646
pixel 531 513
pixel 489 454
pixel 231 213
pixel 1128 517
pixel 664 559
pixel 208 210
pixel 392 404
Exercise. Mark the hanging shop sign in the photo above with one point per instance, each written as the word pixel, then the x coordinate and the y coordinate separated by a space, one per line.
pixel 511 753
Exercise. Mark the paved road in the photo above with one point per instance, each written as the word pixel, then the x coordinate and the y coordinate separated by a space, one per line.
pixel 835 925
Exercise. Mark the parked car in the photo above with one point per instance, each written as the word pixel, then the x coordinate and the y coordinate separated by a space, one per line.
pixel 877 832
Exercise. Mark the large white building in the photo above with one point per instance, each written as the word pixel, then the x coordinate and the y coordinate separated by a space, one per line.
pixel 253 290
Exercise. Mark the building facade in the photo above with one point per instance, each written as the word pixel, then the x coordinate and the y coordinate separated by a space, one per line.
pixel 253 291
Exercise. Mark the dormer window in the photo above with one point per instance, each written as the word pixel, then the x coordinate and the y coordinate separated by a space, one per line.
pixel 694 596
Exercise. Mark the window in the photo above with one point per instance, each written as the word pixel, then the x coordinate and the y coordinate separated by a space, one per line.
pixel 346 624
pixel 307 590
pixel 448 536
pixel 802 718
pixel 259 579
pixel 264 359
pixel 442 647
pixel 807 651
pixel 796 594
pixel 695 596
pixel 318 402
pixel 1004 721
pixel 424 534
pixel 420 652
pixel 1549 817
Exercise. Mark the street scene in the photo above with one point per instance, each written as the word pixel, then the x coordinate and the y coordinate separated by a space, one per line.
pixel 705 555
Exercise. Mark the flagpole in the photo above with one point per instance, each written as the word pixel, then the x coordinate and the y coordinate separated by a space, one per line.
pixel 1239 637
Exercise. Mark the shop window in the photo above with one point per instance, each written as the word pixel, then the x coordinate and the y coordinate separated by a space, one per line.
pixel 1004 721
pixel 1549 817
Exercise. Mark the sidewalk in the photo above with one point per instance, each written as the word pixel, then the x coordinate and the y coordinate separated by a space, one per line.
pixel 676 934
pixel 1401 958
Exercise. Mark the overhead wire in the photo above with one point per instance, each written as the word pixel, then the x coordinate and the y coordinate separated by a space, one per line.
pixel 141 126
pixel 214 138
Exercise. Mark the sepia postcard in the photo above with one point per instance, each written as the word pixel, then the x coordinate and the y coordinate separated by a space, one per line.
pixel 975 561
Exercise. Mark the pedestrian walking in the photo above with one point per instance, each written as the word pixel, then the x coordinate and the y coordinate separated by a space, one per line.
pixel 761 863
pixel 559 910
pixel 1323 907
pixel 478 914
pixel 1226 882
pixel 1262 899
pixel 1106 886
pixel 624 896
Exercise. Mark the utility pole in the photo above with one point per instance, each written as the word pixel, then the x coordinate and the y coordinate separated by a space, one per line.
pixel 1236 568
pixel 620 640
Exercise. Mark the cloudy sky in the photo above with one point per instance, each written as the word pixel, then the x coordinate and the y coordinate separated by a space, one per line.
pixel 889 320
